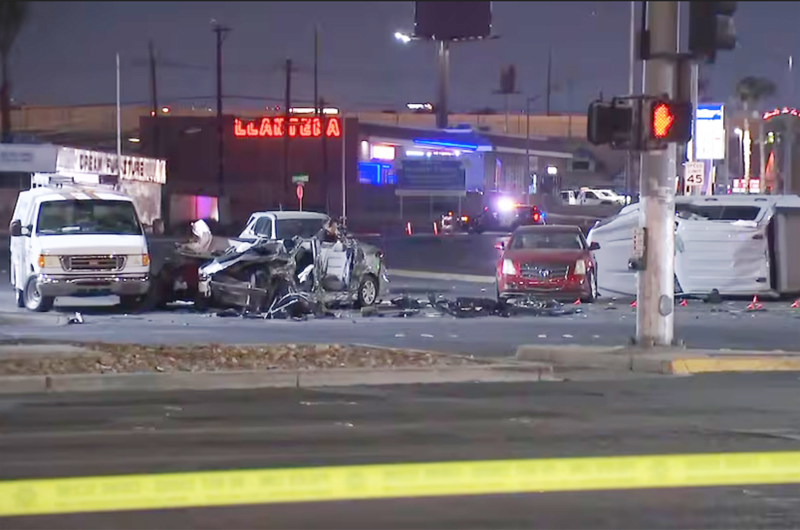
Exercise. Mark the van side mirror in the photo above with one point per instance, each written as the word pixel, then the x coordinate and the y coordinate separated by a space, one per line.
pixel 15 229
pixel 594 245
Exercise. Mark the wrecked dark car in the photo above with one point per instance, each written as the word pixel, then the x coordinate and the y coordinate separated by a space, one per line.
pixel 255 275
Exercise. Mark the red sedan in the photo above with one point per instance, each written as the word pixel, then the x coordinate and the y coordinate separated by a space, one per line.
pixel 549 261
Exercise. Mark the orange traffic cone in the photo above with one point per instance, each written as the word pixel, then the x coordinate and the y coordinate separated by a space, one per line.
pixel 408 228
pixel 796 304
pixel 577 302
pixel 435 229
pixel 754 305
pixel 633 304
pixel 684 303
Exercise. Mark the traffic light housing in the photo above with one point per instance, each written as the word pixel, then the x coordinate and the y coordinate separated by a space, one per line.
pixel 668 122
pixel 610 122
pixel 711 28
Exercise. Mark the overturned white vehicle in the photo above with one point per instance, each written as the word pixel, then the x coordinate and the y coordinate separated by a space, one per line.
pixel 736 245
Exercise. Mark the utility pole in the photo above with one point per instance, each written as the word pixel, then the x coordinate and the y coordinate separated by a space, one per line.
pixel 287 117
pixel 629 158
pixel 549 79
pixel 220 31
pixel 317 109
pixel 325 173
pixel 154 99
pixel 442 112
pixel 153 87
pixel 656 283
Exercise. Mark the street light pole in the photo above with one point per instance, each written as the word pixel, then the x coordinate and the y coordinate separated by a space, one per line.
pixel 656 283
pixel 528 101
pixel 344 167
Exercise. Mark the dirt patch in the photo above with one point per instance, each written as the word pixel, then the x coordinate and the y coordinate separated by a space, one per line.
pixel 114 358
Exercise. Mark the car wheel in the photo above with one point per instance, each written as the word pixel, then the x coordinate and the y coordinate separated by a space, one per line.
pixel 33 299
pixel 367 291
pixel 592 279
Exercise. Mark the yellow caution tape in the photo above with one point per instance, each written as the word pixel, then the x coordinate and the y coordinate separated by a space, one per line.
pixel 224 488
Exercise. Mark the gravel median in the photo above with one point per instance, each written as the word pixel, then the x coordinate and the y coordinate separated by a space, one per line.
pixel 99 358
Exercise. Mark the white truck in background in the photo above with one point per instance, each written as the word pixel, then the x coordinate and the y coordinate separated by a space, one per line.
pixel 69 240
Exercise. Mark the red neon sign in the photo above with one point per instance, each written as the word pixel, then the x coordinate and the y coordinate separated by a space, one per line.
pixel 777 112
pixel 274 128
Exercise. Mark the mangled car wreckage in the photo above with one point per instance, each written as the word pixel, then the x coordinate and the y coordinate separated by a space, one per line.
pixel 263 275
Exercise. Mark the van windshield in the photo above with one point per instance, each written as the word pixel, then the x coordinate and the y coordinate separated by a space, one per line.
pixel 88 217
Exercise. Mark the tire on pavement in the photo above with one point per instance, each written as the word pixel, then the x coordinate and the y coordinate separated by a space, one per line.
pixel 367 291
pixel 33 299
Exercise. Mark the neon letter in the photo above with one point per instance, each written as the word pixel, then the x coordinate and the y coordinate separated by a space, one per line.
pixel 251 129
pixel 316 128
pixel 333 131
pixel 266 128
pixel 305 127
pixel 238 130
pixel 277 126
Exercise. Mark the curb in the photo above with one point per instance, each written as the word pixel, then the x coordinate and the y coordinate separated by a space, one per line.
pixel 232 380
pixel 670 361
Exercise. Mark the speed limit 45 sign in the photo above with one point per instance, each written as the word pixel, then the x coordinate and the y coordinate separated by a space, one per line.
pixel 694 172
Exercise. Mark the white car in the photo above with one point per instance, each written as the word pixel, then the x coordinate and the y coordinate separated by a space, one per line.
pixel 593 197
pixel 75 241
pixel 283 225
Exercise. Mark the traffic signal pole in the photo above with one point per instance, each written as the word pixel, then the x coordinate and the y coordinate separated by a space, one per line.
pixel 656 285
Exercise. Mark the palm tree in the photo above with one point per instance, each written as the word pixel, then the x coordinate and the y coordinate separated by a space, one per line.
pixel 750 91
pixel 13 15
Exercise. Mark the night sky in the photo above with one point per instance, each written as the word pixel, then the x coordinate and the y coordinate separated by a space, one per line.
pixel 66 53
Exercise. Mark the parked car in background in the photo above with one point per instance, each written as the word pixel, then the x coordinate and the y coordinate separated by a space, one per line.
pixel 593 197
pixel 552 261
pixel 569 197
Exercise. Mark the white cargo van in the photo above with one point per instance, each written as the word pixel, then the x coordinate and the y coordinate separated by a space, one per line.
pixel 75 241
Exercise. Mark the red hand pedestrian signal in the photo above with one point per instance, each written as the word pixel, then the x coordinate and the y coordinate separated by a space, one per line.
pixel 662 120
pixel 670 122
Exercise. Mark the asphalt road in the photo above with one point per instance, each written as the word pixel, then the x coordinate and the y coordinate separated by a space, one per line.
pixel 728 326
pixel 99 434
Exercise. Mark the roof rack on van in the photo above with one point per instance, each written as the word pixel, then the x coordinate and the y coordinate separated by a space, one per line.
pixel 59 180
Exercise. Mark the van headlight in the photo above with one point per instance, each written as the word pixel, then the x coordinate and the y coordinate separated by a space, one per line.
pixel 139 260
pixel 580 267
pixel 49 262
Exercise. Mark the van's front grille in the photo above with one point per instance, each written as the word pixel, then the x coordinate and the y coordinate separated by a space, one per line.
pixel 108 263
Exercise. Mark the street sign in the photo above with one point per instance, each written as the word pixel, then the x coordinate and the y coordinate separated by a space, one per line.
pixel 694 173
pixel 296 179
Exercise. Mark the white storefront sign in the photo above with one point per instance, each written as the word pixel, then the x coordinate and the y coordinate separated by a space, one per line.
pixel 134 168
pixel 709 132
pixel 23 158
